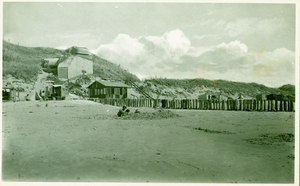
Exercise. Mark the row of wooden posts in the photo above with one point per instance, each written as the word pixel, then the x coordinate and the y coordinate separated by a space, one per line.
pixel 239 105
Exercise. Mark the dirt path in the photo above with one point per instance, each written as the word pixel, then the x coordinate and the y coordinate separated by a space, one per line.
pixel 68 141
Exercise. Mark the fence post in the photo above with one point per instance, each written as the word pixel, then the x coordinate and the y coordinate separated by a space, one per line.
pixel 291 105
pixel 222 105
pixel 266 105
pixel 236 104
pixel 228 104
pixel 256 104
pixel 250 104
pixel 273 105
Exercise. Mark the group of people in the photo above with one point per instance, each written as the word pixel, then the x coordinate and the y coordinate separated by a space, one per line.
pixel 125 111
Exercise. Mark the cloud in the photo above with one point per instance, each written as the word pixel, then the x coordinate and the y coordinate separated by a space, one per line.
pixel 123 50
pixel 219 58
pixel 146 53
pixel 199 37
pixel 249 26
pixel 172 55
pixel 234 48
pixel 241 26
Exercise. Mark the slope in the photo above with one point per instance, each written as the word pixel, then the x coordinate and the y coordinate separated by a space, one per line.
pixel 192 88
pixel 24 63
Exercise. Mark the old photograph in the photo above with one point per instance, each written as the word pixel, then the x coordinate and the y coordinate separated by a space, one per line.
pixel 150 92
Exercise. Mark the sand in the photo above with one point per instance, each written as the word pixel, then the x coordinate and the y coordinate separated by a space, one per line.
pixel 83 141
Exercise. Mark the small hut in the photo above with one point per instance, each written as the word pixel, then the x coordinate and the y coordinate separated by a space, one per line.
pixel 9 93
pixel 281 97
pixel 261 97
pixel 271 97
pixel 108 89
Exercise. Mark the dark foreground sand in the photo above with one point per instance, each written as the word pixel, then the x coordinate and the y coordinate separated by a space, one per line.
pixel 80 141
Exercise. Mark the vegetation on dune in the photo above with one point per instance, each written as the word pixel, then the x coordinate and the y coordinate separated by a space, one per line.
pixel 190 86
pixel 109 70
pixel 24 63
pixel 288 88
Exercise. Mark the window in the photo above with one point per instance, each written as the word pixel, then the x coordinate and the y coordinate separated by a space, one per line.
pixel 95 91
pixel 117 91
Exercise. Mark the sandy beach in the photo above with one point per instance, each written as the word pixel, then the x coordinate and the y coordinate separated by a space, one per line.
pixel 84 141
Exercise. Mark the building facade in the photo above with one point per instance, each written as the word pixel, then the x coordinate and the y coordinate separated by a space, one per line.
pixel 107 89
pixel 74 66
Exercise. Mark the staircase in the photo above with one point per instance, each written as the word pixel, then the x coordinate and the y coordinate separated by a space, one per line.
pixel 141 91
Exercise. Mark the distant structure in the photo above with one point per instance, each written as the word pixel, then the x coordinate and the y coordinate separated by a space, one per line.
pixel 219 97
pixel 271 97
pixel 108 89
pixel 261 97
pixel 77 61
pixel 50 65
pixel 9 93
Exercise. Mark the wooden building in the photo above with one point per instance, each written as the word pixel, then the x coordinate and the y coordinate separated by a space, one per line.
pixel 9 93
pixel 109 89
pixel 219 97
pixel 261 97
pixel 271 97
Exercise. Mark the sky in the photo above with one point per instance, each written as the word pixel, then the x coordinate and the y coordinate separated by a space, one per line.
pixel 237 42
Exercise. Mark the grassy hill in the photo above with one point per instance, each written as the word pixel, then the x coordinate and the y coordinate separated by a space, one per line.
pixel 288 88
pixel 24 63
pixel 192 88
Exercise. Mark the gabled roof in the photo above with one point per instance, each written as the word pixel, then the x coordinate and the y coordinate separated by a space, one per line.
pixel 111 84
pixel 78 50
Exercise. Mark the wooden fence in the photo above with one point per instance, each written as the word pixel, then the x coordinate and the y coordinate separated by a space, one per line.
pixel 238 105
